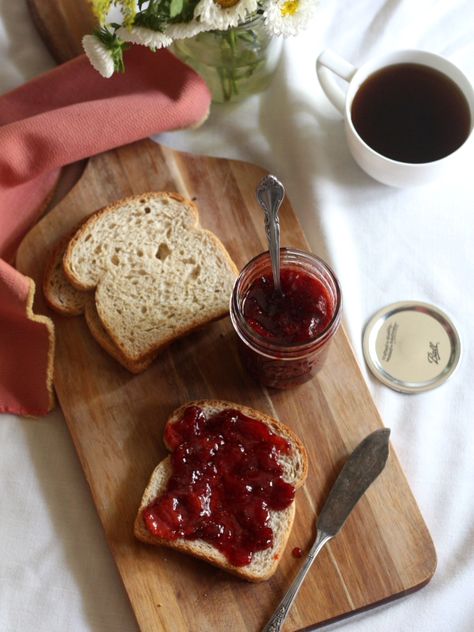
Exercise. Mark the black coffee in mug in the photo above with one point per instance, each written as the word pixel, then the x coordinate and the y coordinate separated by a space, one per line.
pixel 411 113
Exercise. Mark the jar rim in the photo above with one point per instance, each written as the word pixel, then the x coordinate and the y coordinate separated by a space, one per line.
pixel 270 349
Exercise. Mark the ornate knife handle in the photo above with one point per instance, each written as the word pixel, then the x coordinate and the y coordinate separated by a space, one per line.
pixel 278 618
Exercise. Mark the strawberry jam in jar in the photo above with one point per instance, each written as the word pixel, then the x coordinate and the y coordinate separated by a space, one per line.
pixel 284 336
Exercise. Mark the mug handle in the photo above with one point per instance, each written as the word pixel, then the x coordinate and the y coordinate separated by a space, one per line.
pixel 330 61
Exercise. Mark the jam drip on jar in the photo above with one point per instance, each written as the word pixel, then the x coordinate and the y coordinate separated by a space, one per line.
pixel 226 478
pixel 298 314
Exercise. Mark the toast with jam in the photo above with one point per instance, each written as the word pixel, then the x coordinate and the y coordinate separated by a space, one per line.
pixel 226 493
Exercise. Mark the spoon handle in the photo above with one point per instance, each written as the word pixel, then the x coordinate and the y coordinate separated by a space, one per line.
pixel 270 194
pixel 278 618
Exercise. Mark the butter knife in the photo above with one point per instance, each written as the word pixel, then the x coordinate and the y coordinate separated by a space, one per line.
pixel 359 471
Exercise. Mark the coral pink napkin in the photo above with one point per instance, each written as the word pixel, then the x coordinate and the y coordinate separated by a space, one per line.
pixel 60 117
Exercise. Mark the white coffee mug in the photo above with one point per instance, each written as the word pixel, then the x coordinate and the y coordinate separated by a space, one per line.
pixel 381 168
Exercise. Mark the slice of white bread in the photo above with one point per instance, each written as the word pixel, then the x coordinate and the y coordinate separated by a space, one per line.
pixel 60 295
pixel 105 341
pixel 295 466
pixel 67 300
pixel 157 275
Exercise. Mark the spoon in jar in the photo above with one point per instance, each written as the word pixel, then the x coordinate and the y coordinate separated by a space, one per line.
pixel 270 194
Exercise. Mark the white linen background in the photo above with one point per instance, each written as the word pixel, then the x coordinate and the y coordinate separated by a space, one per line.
pixel 56 572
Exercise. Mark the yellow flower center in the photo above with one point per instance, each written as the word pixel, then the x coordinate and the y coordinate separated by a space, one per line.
pixel 290 7
pixel 226 4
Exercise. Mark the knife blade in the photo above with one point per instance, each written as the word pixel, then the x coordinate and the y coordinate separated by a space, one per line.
pixel 359 471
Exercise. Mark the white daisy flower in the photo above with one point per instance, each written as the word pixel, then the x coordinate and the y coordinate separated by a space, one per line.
pixel 143 36
pixel 99 55
pixel 182 30
pixel 288 17
pixel 220 15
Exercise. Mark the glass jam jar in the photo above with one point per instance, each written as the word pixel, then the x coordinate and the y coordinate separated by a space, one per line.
pixel 284 337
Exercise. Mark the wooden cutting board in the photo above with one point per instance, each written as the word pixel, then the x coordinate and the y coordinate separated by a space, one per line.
pixel 116 422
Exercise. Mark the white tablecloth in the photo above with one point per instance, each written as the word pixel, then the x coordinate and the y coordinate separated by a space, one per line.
pixel 56 572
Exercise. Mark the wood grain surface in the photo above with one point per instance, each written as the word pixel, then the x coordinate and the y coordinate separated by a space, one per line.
pixel 116 421
pixel 62 24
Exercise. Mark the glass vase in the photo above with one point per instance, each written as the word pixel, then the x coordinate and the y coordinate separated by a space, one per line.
pixel 235 63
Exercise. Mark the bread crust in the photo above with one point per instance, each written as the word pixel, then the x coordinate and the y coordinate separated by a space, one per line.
pixel 101 336
pixel 51 297
pixel 85 305
pixel 107 210
pixel 205 551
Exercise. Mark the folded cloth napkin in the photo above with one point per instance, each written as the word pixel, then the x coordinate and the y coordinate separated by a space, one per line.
pixel 63 116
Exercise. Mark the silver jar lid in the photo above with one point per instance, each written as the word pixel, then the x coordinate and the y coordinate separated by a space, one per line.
pixel 411 346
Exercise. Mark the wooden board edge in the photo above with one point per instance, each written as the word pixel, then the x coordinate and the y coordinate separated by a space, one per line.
pixel 369 607
pixel 88 479
pixel 48 15
pixel 56 197
pixel 44 33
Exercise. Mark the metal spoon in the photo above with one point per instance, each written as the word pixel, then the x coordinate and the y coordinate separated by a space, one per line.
pixel 270 194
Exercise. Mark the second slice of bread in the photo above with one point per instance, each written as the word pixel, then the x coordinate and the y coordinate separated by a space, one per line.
pixel 67 300
pixel 60 295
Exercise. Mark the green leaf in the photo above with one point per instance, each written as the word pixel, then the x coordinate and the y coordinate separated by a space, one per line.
pixel 176 7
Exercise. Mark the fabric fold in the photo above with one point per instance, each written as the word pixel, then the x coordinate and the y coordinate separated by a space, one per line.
pixel 63 116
